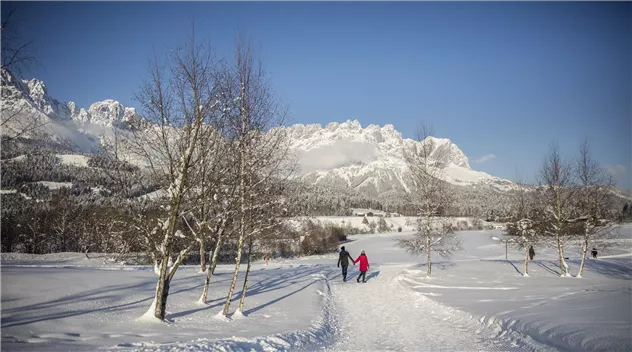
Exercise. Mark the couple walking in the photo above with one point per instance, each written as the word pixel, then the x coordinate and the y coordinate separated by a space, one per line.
pixel 344 258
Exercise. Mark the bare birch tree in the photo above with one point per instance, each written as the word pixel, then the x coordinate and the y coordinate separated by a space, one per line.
pixel 429 194
pixel 179 99
pixel 522 227
pixel 593 202
pixel 211 180
pixel 261 154
pixel 215 204
pixel 556 177
pixel 267 204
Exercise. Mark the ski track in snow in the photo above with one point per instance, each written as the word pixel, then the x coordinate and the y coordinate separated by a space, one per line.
pixel 369 318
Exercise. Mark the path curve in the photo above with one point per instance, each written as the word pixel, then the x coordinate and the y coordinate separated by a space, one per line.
pixel 384 315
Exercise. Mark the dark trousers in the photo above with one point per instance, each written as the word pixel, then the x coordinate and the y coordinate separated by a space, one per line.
pixel 344 272
pixel 363 276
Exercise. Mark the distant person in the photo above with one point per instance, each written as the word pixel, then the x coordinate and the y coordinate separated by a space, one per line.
pixel 531 252
pixel 343 259
pixel 364 266
pixel 594 253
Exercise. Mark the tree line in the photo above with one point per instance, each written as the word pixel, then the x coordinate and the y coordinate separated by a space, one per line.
pixel 576 203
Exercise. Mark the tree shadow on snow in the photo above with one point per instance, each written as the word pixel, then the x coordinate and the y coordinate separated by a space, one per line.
pixel 69 306
pixel 440 265
pixel 548 268
pixel 39 312
pixel 610 269
pixel 504 261
pixel 296 276
pixel 70 302
pixel 515 267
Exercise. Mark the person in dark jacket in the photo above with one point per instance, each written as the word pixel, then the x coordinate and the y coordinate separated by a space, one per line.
pixel 343 259
pixel 594 253
pixel 364 266
pixel 531 252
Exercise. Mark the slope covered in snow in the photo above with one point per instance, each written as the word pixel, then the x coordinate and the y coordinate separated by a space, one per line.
pixel 371 159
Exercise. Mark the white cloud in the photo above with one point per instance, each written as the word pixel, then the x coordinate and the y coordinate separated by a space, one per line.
pixel 337 154
pixel 485 158
pixel 618 171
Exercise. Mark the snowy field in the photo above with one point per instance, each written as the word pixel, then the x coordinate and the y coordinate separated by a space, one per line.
pixel 477 300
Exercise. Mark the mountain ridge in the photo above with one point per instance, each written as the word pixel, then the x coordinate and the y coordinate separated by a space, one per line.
pixel 31 96
pixel 371 159
pixel 367 159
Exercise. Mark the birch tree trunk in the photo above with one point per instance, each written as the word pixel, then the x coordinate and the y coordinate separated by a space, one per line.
pixel 218 247
pixel 526 261
pixel 245 288
pixel 584 251
pixel 162 289
pixel 428 270
pixel 202 255
pixel 211 269
pixel 558 236
pixel 231 290
pixel 242 201
pixel 164 282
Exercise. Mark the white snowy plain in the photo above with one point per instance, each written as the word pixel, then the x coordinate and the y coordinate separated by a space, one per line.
pixel 475 301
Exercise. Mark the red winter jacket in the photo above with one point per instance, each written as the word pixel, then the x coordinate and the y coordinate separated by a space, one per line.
pixel 364 262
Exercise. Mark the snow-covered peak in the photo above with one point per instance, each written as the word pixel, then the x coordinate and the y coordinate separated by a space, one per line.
pixel 32 96
pixel 444 149
pixel 110 113
pixel 387 140
pixel 37 88
pixel 372 158
pixel 306 137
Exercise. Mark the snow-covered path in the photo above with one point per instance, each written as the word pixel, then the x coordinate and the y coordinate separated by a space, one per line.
pixel 383 315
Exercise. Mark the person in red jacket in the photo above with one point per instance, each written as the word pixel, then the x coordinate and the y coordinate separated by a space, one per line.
pixel 364 265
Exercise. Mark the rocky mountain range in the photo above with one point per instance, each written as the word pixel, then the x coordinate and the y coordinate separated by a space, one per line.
pixel 31 97
pixel 369 160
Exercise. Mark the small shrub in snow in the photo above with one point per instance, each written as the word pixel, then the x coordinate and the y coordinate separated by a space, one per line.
pixel 477 224
pixel 382 226
pixel 372 226
pixel 320 239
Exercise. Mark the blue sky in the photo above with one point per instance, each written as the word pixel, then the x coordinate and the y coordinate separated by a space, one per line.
pixel 497 78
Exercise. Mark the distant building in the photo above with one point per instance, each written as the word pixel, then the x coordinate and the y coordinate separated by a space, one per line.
pixel 367 212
